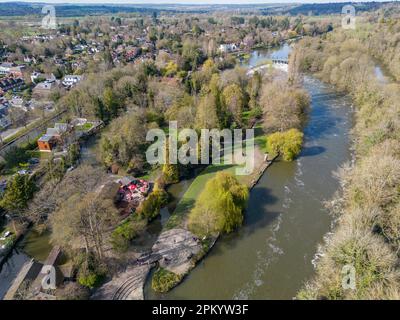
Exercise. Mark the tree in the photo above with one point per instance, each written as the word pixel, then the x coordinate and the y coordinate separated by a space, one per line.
pixel 219 207
pixel 283 106
pixel 150 208
pixel 111 102
pixel 206 115
pixel 86 217
pixel 288 143
pixel 171 69
pixel 20 189
pixel 234 101
pixel 253 89
pixel 170 173
pixel 191 54
pixel 124 142
pixel 72 291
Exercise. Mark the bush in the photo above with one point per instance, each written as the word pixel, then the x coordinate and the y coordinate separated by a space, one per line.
pixel 125 233
pixel 170 173
pixel 288 143
pixel 89 279
pixel 164 280
pixel 91 272
pixel 256 113
pixel 150 207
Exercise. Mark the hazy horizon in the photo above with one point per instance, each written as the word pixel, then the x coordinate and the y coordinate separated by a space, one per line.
pixel 188 2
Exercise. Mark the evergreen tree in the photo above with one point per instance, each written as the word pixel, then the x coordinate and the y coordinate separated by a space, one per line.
pixel 19 191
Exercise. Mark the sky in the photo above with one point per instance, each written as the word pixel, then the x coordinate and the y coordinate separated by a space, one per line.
pixel 188 1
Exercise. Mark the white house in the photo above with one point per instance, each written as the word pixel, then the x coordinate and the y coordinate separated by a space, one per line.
pixel 5 68
pixel 71 80
pixel 36 75
pixel 228 47
pixel 18 102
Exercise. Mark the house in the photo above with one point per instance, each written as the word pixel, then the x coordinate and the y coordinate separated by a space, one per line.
pixel 116 38
pixel 230 47
pixel 71 80
pixel 29 59
pixel 9 69
pixel 35 76
pixel 79 48
pixel 43 89
pixel 52 137
pixel 5 120
pixel 8 84
pixel 131 53
pixel 46 143
pixel 18 102
pixel 5 68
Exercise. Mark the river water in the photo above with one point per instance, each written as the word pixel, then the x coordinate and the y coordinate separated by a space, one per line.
pixel 270 257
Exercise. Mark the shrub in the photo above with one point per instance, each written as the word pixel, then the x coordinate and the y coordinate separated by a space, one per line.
pixel 288 143
pixel 170 173
pixel 150 207
pixel 124 233
pixel 91 271
pixel 89 279
pixel 164 280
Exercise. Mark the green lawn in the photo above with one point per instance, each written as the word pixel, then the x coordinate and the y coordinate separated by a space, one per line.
pixel 85 127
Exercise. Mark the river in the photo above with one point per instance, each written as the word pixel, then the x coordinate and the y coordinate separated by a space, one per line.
pixel 271 256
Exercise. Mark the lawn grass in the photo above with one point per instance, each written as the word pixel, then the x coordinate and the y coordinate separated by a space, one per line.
pixel 85 127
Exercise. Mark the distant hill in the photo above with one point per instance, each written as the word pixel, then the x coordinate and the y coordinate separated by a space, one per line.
pixel 333 8
pixel 69 10
pixel 73 10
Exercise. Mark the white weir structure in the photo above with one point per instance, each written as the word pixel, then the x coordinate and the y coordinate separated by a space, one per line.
pixel 277 63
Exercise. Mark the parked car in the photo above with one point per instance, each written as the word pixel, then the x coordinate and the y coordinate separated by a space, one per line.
pixel 33 161
pixel 5 235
